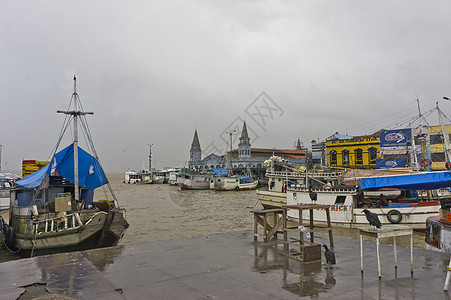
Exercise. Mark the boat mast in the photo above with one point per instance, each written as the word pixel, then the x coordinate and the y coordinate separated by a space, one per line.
pixel 150 157
pixel 75 113
pixel 229 165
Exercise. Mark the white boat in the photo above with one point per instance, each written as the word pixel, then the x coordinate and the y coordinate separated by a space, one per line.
pixel 438 229
pixel 173 175
pixel 192 180
pixel 6 183
pixel 347 204
pixel 158 177
pixel 233 183
pixel 54 209
pixel 132 176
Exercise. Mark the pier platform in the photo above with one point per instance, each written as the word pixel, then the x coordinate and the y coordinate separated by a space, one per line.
pixel 224 266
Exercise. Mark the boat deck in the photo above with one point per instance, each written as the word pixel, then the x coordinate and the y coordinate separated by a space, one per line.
pixel 226 266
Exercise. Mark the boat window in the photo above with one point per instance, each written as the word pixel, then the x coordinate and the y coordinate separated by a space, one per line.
pixel 340 200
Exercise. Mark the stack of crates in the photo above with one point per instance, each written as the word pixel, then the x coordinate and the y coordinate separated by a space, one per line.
pixel 31 166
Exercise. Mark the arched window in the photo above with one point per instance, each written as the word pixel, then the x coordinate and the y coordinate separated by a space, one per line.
pixel 333 158
pixel 358 156
pixel 345 155
pixel 372 155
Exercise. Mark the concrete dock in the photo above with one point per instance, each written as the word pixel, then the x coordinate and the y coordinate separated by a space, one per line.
pixel 224 266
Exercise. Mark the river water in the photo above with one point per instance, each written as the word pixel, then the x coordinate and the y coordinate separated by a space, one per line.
pixel 162 211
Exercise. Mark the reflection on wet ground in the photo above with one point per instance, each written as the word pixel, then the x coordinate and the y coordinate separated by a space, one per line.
pixel 227 266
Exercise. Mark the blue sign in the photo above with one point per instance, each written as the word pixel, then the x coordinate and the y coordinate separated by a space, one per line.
pixel 395 138
pixel 390 163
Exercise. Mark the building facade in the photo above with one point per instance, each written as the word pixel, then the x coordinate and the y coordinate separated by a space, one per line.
pixel 244 159
pixel 352 152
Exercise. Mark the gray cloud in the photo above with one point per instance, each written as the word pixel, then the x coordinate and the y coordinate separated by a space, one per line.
pixel 154 71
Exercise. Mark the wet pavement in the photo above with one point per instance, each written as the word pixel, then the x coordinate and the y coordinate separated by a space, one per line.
pixel 224 266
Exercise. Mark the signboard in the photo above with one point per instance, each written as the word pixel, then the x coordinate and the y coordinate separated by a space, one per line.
pixel 390 163
pixel 395 138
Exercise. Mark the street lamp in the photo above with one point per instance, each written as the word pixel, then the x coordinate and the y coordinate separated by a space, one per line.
pixel 230 153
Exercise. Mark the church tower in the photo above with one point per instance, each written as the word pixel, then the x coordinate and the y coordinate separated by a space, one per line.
pixel 195 152
pixel 244 146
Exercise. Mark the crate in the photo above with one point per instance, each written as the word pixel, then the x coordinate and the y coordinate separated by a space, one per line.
pixel 305 252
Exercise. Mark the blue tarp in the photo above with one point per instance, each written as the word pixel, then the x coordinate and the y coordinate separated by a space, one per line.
pixel 421 181
pixel 219 172
pixel 90 174
pixel 245 178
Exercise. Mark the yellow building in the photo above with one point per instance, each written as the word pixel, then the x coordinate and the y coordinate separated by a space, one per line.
pixel 436 146
pixel 349 152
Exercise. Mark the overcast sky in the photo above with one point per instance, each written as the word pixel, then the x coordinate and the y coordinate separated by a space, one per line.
pixel 154 71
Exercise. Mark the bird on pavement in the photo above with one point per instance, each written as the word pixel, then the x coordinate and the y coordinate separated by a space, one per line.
pixel 372 218
pixel 313 195
pixel 330 256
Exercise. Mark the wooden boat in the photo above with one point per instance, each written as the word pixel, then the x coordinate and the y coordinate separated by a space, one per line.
pixel 233 183
pixel 54 209
pixel 192 180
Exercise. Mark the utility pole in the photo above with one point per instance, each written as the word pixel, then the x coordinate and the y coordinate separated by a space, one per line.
pixel 230 153
pixel 150 157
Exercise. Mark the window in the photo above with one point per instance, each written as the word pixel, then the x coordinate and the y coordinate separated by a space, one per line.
pixel 436 139
pixel 439 157
pixel 372 155
pixel 340 200
pixel 345 155
pixel 333 157
pixel 358 156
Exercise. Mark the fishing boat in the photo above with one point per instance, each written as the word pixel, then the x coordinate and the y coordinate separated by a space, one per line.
pixel 132 176
pixel 55 209
pixel 282 175
pixel 6 183
pixel 233 183
pixel 348 202
pixel 438 228
pixel 192 180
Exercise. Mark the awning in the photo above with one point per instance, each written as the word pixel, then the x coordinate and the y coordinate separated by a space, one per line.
pixel 419 181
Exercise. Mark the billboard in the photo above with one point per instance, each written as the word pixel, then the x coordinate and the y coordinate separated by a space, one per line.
pixel 397 138
pixel 390 163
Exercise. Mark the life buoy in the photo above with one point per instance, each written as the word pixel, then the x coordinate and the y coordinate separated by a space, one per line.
pixel 394 216
pixel 237 188
pixel 424 162
pixel 294 196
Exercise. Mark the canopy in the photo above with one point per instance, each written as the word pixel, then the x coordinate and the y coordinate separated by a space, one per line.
pixel 90 174
pixel 219 172
pixel 419 181
pixel 245 178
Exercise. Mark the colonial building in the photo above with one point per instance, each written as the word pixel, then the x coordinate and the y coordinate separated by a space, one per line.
pixel 245 159
pixel 348 152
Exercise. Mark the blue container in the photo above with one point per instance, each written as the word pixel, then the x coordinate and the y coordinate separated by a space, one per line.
pixel 87 196
pixel 25 199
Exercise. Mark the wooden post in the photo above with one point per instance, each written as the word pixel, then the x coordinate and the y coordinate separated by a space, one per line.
pixel 394 249
pixel 329 225
pixel 361 253
pixel 285 233
pixel 255 227
pixel 378 257
pixel 311 225
pixel 265 231
pixel 411 253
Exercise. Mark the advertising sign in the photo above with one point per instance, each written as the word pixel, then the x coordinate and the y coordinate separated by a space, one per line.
pixel 390 163
pixel 395 138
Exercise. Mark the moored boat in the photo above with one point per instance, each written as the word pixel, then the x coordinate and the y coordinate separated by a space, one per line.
pixel 55 209
pixel 192 180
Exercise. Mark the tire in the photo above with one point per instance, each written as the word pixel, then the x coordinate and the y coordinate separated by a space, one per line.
pixel 9 239
pixel 394 216
pixel 237 188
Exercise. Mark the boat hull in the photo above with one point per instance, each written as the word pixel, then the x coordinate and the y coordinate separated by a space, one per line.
pixel 76 237
pixel 347 214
